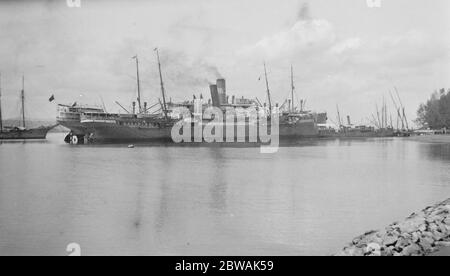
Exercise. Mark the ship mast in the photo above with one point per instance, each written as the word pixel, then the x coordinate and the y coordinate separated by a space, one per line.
pixel 138 83
pixel 163 91
pixel 268 90
pixel 339 116
pixel 292 88
pixel 1 118
pixel 23 101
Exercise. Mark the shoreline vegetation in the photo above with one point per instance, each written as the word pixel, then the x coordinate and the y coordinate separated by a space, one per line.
pixel 424 233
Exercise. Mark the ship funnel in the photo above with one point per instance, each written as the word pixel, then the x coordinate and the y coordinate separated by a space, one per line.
pixel 214 95
pixel 348 120
pixel 222 90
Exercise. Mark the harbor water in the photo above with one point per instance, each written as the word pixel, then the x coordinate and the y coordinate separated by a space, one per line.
pixel 311 197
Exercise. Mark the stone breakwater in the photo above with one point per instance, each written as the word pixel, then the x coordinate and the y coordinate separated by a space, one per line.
pixel 418 235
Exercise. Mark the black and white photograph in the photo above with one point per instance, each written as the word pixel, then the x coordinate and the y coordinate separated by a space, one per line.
pixel 199 129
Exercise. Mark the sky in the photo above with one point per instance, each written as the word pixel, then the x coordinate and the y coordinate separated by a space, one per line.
pixel 343 52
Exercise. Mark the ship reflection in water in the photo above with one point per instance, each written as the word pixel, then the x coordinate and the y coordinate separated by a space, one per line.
pixel 309 198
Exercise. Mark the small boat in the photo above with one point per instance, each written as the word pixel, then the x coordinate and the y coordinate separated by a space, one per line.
pixel 21 132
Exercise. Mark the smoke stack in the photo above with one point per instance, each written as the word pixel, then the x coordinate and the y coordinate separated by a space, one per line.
pixel 222 90
pixel 145 107
pixel 134 107
pixel 233 100
pixel 214 95
pixel 348 120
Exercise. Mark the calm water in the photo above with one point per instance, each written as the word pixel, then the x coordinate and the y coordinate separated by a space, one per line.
pixel 309 198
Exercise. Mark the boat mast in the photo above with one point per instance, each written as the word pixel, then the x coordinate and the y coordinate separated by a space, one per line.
pixel 339 116
pixel 1 118
pixel 23 101
pixel 399 116
pixel 403 109
pixel 163 91
pixel 268 90
pixel 138 84
pixel 292 88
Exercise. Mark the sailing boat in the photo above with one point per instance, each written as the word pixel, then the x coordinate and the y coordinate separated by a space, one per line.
pixel 21 132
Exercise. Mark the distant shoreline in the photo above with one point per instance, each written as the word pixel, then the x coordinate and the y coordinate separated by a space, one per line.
pixel 435 138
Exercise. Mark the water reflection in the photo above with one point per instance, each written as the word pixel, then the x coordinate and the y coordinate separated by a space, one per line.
pixel 218 184
pixel 437 151
pixel 311 197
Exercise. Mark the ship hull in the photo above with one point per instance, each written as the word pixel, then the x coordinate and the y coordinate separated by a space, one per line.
pixel 75 127
pixel 358 134
pixel 113 132
pixel 27 134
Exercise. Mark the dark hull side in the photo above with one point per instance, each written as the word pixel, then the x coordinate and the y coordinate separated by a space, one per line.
pixel 357 134
pixel 36 133
pixel 75 127
pixel 110 132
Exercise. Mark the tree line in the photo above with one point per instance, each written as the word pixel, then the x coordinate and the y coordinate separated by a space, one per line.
pixel 435 113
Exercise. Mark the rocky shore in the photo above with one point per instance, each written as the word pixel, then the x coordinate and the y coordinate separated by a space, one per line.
pixel 420 234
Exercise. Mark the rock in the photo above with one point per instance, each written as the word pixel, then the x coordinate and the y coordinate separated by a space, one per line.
pixel 387 251
pixel 426 244
pixel 402 243
pixel 407 236
pixel 441 227
pixel 419 234
pixel 447 221
pixel 370 233
pixel 415 237
pixel 422 228
pixel 443 243
pixel 437 235
pixel 412 249
pixel 440 213
pixel 355 251
pixel 390 240
pixel 433 227
pixel 428 239
pixel 426 234
pixel 373 249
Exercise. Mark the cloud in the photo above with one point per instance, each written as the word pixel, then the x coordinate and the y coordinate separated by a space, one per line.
pixel 303 36
pixel 346 45
pixel 308 37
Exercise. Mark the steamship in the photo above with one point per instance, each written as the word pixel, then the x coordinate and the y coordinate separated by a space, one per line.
pixel 109 127
pixel 141 125
pixel 69 116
